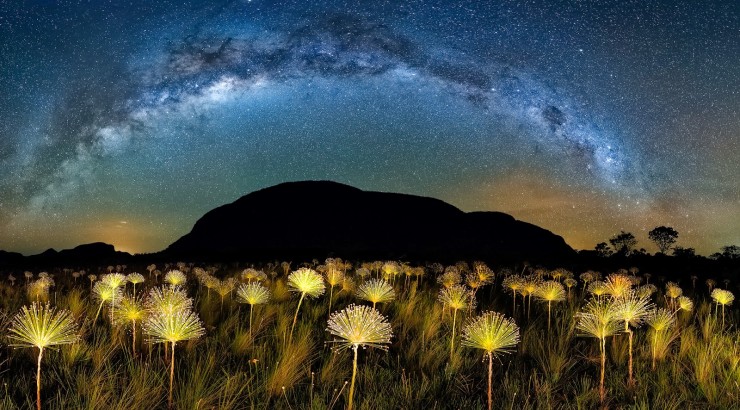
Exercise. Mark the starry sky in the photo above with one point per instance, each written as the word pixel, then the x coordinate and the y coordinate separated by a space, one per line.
pixel 124 122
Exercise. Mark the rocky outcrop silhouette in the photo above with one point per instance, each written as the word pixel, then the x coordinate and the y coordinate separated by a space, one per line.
pixel 321 218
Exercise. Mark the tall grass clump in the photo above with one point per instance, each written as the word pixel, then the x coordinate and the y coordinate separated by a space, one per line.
pixel 597 288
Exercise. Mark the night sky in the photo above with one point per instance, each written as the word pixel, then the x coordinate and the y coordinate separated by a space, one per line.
pixel 125 121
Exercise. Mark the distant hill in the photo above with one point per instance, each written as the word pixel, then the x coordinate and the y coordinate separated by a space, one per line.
pixel 85 255
pixel 310 219
pixel 11 258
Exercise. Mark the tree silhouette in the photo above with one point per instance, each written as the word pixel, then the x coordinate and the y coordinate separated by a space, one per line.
pixel 682 252
pixel 623 243
pixel 604 250
pixel 664 237
pixel 731 252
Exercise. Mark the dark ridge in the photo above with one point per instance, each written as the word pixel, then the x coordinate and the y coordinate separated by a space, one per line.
pixel 11 258
pixel 83 255
pixel 322 218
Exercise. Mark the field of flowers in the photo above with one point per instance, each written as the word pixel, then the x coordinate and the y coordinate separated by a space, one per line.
pixel 365 335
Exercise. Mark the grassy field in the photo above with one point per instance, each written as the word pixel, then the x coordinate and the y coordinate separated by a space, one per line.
pixel 260 338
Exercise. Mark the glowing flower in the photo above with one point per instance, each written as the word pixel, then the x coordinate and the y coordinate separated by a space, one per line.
pixel 724 298
pixel 632 309
pixel 550 291
pixel 167 300
pixel 175 277
pixel 129 310
pixel 376 291
pixel 175 327
pixel 42 326
pixel 356 326
pixel 307 282
pixel 494 334
pixel 456 298
pixel 598 319
pixel 253 293
pixel 135 279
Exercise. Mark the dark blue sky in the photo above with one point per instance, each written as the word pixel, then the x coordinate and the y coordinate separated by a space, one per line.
pixel 125 123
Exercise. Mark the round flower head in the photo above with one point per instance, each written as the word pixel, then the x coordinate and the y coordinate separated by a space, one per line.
pixel 226 286
pixel 672 290
pixel 685 304
pixel 646 290
pixel 42 326
pixel 306 281
pixel 167 300
pixel 513 282
pixel 104 292
pixel 483 272
pixel 723 297
pixel 617 285
pixel 660 319
pixel 114 280
pixel 632 309
pixel 359 325
pixel 457 297
pixel 530 284
pixel 135 278
pixel 175 327
pixel 376 291
pixel 450 277
pixel 597 288
pixel 334 276
pixel 550 291
pixel 253 293
pixel 129 309
pixel 589 276
pixel 598 319
pixel 390 269
pixel 175 277
pixel 492 333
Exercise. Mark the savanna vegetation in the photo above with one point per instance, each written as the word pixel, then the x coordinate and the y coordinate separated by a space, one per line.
pixel 366 335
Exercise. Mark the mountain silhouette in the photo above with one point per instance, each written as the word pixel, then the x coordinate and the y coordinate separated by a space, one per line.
pixel 87 254
pixel 311 219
